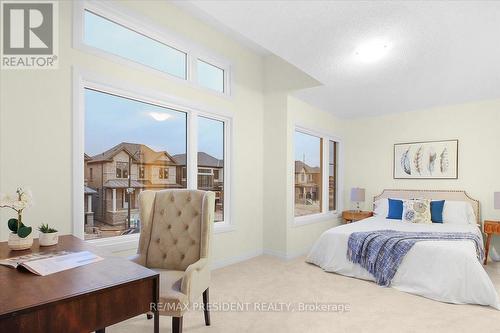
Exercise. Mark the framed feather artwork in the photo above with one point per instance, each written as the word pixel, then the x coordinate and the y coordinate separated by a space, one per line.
pixel 426 160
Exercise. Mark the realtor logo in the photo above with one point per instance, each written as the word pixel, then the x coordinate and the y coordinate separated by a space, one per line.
pixel 29 35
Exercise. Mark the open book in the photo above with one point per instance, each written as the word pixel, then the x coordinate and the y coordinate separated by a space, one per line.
pixel 45 263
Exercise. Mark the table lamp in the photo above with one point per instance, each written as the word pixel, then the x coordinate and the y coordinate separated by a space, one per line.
pixel 357 196
pixel 497 200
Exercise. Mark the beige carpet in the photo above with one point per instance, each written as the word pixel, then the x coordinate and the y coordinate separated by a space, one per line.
pixel 267 280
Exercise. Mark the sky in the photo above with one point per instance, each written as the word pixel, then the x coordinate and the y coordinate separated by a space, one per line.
pixel 307 147
pixel 113 38
pixel 110 120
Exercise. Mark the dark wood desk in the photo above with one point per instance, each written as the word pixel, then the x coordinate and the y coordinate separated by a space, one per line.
pixel 82 299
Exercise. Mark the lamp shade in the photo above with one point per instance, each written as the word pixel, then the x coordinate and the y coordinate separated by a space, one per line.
pixel 358 194
pixel 497 200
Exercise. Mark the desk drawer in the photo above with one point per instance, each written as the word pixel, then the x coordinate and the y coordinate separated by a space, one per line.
pixel 85 313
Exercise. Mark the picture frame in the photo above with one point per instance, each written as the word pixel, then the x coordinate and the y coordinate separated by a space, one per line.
pixel 426 160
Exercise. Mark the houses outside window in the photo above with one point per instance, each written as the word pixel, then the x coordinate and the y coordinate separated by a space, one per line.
pixel 315 169
pixel 308 174
pixel 122 132
pixel 121 170
pixel 131 145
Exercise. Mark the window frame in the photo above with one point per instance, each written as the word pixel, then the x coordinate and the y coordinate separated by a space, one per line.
pixel 210 63
pixel 335 173
pixel 325 213
pixel 143 26
pixel 84 79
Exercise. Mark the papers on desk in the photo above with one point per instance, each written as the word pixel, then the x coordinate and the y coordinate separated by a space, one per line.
pixel 53 262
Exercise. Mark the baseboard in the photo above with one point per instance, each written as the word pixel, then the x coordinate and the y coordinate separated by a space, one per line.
pixel 234 260
pixel 286 256
pixel 278 254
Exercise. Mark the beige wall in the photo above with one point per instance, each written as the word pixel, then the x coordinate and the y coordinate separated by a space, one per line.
pixel 36 124
pixel 301 237
pixel 369 150
pixel 282 113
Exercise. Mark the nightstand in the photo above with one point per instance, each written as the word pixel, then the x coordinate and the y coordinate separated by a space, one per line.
pixel 353 215
pixel 490 228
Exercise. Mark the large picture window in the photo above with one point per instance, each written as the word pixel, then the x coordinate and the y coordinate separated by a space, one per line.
pixel 130 146
pixel 315 174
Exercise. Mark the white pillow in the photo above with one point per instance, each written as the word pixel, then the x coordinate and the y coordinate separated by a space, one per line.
pixel 458 212
pixel 382 207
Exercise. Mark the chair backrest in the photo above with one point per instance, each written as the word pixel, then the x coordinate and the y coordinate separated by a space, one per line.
pixel 176 227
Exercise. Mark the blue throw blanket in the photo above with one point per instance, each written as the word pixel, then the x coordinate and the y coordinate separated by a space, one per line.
pixel 381 252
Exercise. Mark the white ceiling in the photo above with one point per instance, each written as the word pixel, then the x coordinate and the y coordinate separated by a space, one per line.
pixel 442 52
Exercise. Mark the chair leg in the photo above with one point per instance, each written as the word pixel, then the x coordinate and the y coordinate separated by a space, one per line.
pixel 176 324
pixel 205 307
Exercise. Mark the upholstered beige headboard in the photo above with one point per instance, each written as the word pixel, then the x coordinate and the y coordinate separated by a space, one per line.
pixel 434 195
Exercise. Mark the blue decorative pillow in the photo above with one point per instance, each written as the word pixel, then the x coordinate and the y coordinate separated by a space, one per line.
pixel 395 209
pixel 437 211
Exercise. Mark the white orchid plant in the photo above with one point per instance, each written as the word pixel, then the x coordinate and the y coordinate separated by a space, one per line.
pixel 18 202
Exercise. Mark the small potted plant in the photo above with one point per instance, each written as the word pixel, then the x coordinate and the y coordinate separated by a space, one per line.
pixel 48 236
pixel 21 237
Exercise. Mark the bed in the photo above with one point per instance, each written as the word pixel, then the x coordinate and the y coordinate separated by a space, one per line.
pixel 446 271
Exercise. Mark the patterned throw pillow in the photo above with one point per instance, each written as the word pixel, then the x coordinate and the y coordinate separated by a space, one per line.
pixel 417 211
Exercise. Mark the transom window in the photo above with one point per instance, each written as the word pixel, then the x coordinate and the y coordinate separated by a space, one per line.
pixel 210 76
pixel 119 40
pixel 105 30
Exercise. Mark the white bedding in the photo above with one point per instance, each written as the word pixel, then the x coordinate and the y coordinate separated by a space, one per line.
pixel 447 271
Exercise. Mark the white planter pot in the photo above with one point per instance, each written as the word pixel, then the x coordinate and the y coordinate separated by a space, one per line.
pixel 17 243
pixel 48 239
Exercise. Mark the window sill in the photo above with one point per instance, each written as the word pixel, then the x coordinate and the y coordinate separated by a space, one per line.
pixel 314 218
pixel 128 242
pixel 222 227
pixel 118 243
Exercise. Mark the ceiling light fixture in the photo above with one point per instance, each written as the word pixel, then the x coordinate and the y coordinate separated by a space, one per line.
pixel 373 50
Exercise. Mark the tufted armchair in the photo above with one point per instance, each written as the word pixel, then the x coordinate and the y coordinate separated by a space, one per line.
pixel 176 227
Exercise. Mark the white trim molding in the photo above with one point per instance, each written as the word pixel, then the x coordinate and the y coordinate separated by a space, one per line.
pixel 85 79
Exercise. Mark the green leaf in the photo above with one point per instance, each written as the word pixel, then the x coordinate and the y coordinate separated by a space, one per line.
pixel 13 225
pixel 24 232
